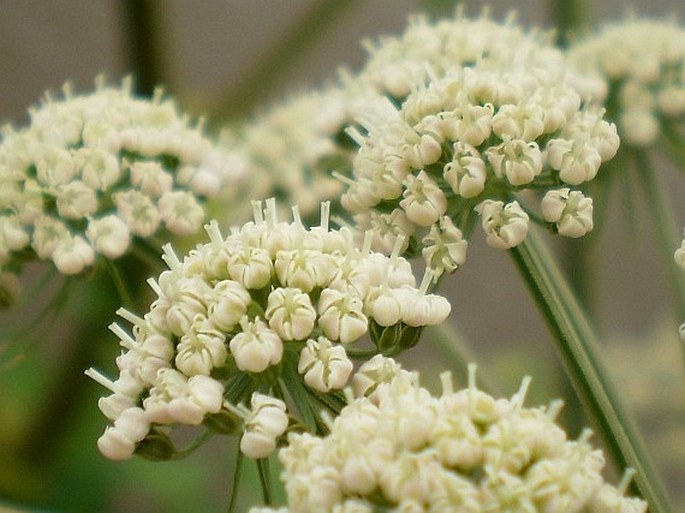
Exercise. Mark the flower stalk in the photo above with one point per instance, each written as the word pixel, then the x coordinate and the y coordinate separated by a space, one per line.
pixel 576 342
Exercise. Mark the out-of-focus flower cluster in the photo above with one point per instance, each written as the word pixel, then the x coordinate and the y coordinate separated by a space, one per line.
pixel 92 172
pixel 643 65
pixel 291 148
pixel 397 448
pixel 273 307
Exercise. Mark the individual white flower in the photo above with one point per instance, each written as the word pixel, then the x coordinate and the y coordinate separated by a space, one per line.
pixel 505 226
pixel 466 172
pixel 256 347
pixel 181 212
pixel 423 201
pixel 576 159
pixel 13 237
pixel 109 236
pixel 139 212
pixel 48 234
pixel 72 255
pixel 325 367
pixel 570 210
pixel 290 313
pixel 230 304
pixel 341 315
pixel 444 248
pixel 75 200
pixel 266 422
pixel 151 178
pixel 119 441
pixel 201 349
pixel 518 160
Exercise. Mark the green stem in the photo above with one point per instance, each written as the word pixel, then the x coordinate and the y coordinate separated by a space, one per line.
pixel 663 225
pixel 568 15
pixel 142 43
pixel 265 480
pixel 235 483
pixel 281 56
pixel 576 343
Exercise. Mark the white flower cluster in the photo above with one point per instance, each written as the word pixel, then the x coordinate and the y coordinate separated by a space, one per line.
pixel 399 449
pixel 471 142
pixel 272 299
pixel 642 62
pixel 396 65
pixel 91 172
pixel 291 148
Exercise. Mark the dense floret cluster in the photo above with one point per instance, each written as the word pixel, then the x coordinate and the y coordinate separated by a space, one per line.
pixel 270 306
pixel 91 173
pixel 397 448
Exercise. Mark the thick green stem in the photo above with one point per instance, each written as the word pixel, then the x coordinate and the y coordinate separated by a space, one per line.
pixel 576 343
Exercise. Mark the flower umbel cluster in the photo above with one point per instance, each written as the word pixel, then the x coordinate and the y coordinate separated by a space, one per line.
pixel 271 309
pixel 397 65
pixel 91 173
pixel 292 147
pixel 471 144
pixel 396 448
pixel 642 63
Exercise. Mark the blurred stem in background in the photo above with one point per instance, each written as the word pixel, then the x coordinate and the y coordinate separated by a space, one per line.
pixel 568 16
pixel 142 43
pixel 283 53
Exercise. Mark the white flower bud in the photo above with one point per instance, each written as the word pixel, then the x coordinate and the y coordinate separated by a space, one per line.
pixel 251 267
pixel 201 349
pixel 113 405
pixel 150 178
pixel 72 254
pixel 427 151
pixel 266 422
pixel 576 160
pixel 229 304
pixel 505 226
pixel 114 444
pixel 290 313
pixel 207 392
pixel 522 121
pixel 48 233
pixel 472 125
pixel 75 200
pixel 109 236
pixel 570 210
pixel 256 347
pixel 181 212
pixel 340 315
pixel 423 201
pixel 518 160
pixel 466 173
pixel 138 211
pixel 99 168
pixel 639 126
pixel 325 366
pixel 304 269
pixel 133 423
pixel 13 237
